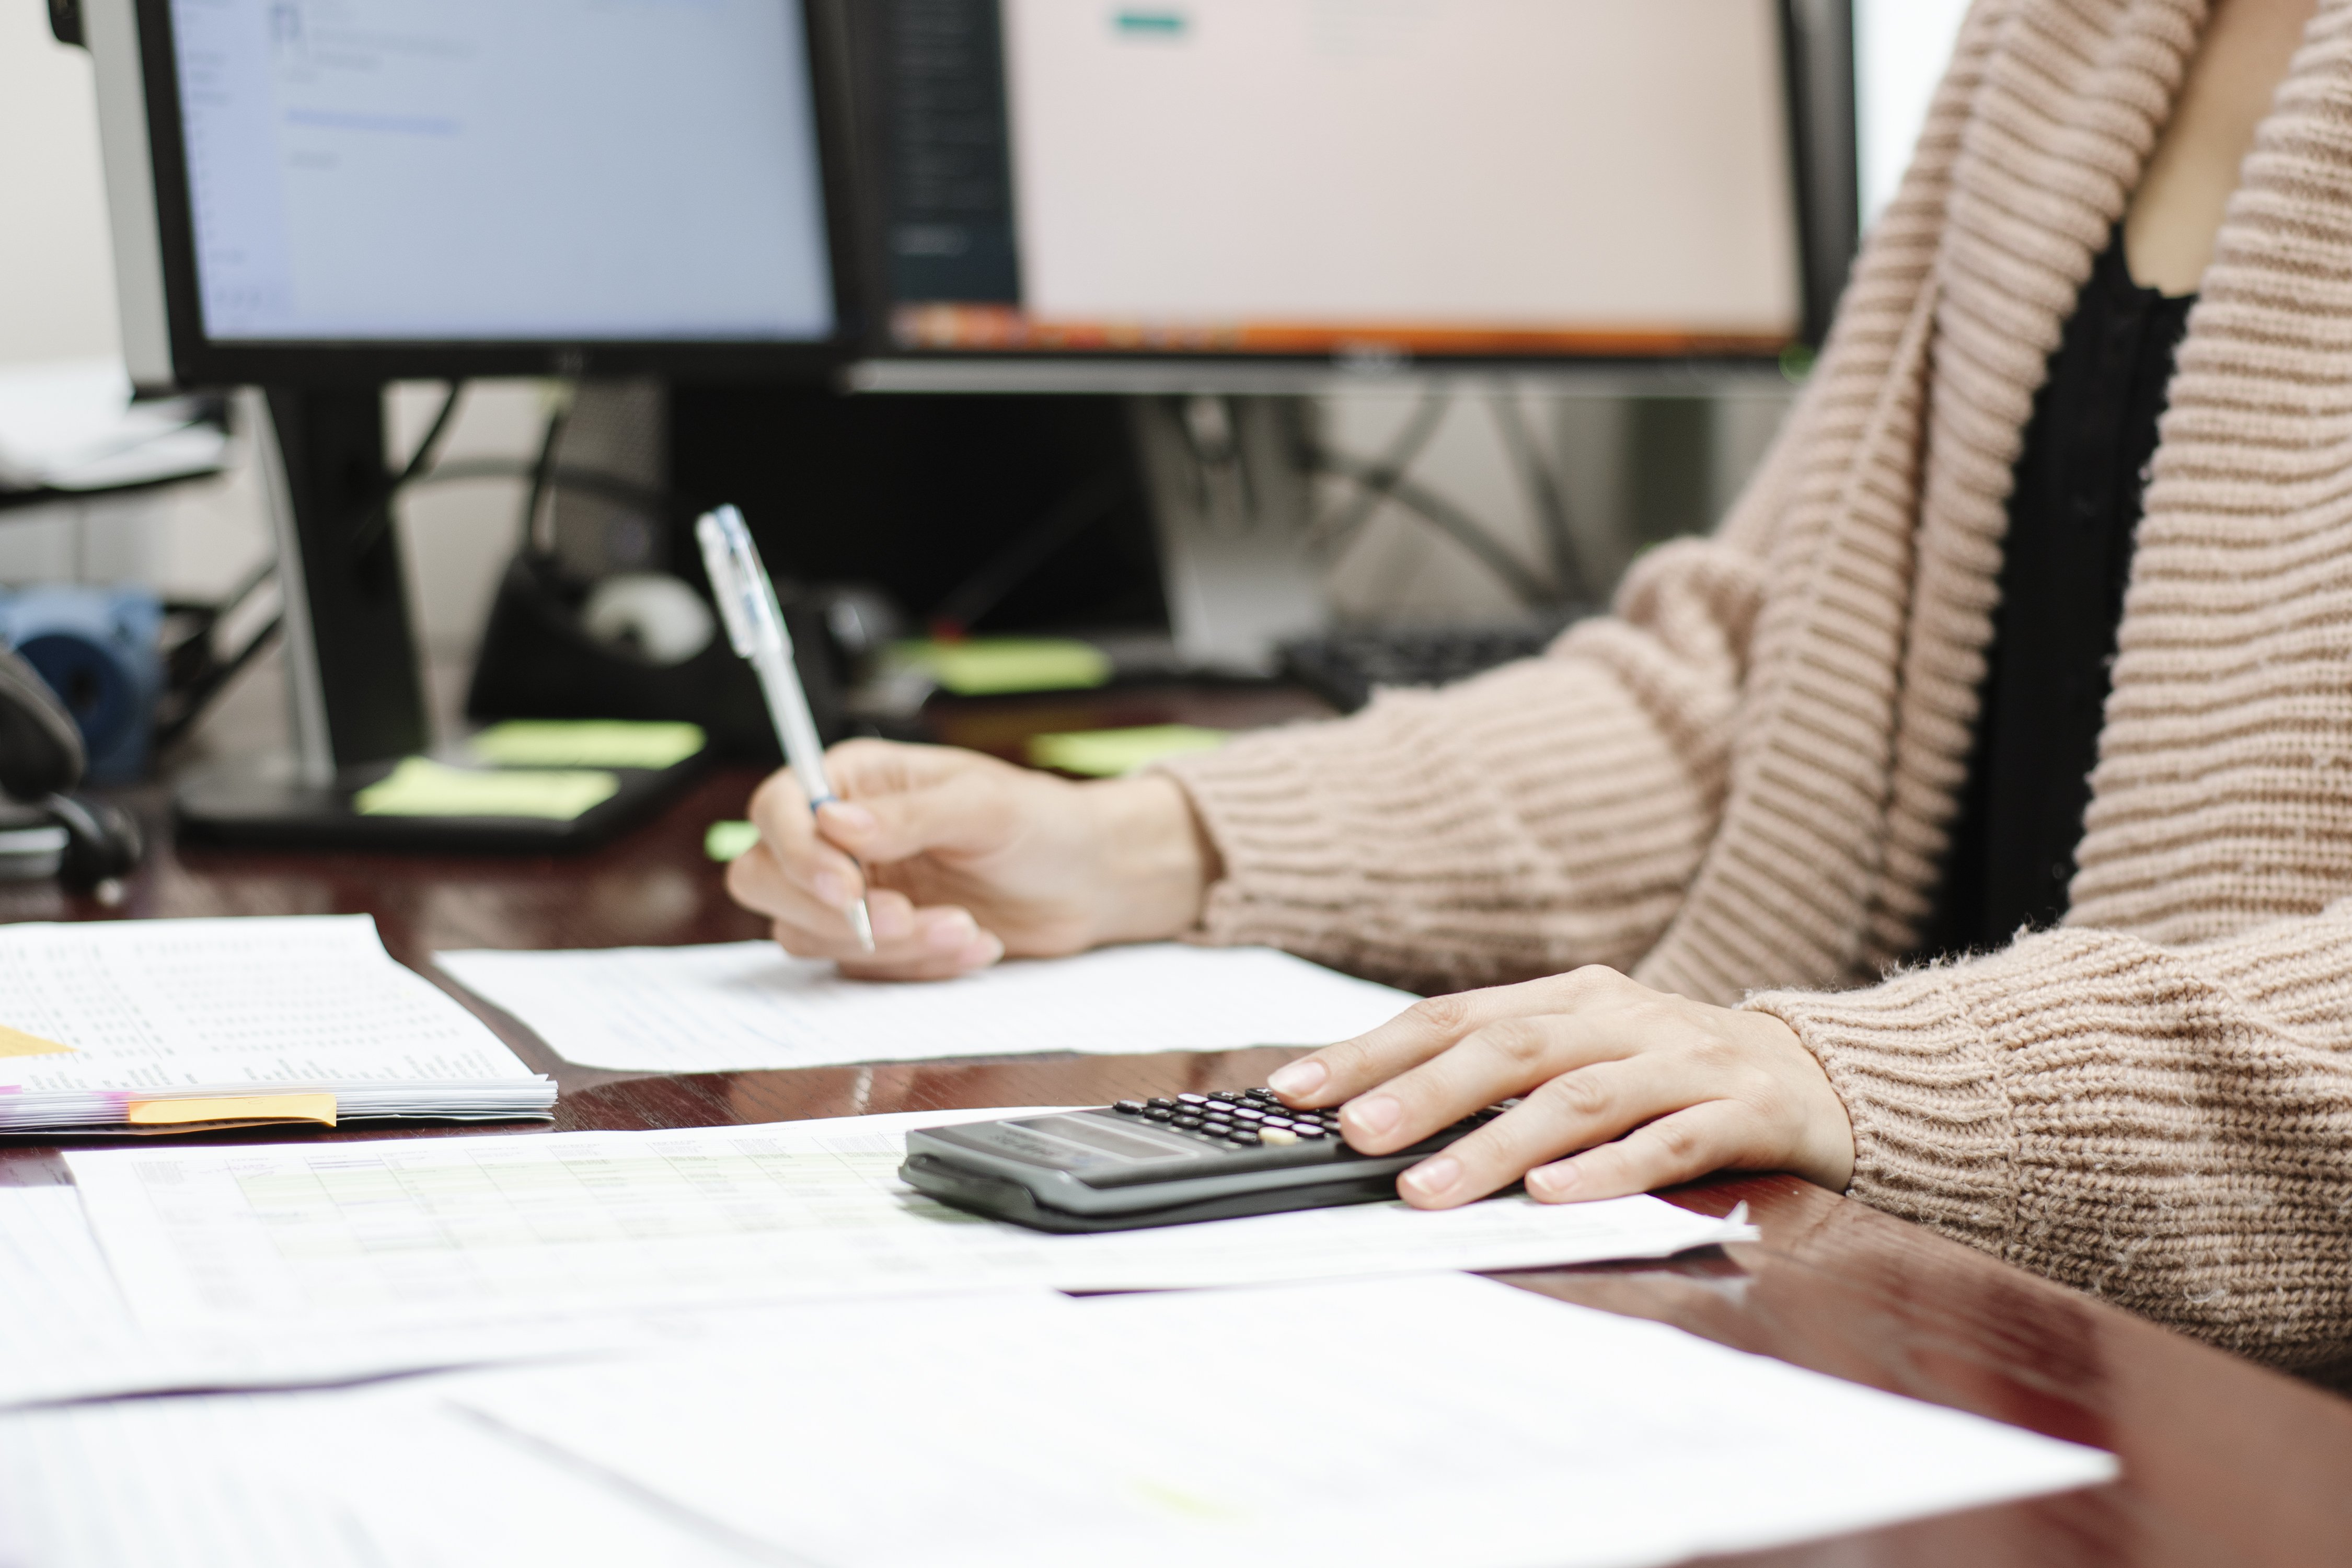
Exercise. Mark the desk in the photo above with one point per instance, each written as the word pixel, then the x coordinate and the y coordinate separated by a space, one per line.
pixel 2225 1462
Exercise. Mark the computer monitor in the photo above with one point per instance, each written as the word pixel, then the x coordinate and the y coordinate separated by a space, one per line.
pixel 312 191
pixel 315 197
pixel 1367 184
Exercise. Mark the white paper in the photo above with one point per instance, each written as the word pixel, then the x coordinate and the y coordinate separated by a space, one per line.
pixel 742 1005
pixel 69 1335
pixel 163 1007
pixel 71 425
pixel 451 1230
pixel 387 1477
pixel 1436 1419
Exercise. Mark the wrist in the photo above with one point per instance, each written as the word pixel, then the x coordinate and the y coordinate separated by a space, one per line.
pixel 1157 858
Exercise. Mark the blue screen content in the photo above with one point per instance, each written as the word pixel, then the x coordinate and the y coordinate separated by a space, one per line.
pixel 503 170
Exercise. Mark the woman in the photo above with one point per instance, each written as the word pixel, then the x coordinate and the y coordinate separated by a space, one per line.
pixel 1851 731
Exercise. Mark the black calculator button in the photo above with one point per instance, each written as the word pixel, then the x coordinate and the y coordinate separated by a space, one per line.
pixel 1157 1114
pixel 1188 1123
pixel 1284 1122
pixel 1162 1104
pixel 1309 1130
pixel 1248 1114
pixel 1129 1108
pixel 1266 1095
pixel 1245 1135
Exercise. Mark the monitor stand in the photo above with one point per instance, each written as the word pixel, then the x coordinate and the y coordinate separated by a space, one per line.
pixel 356 690
pixel 1231 499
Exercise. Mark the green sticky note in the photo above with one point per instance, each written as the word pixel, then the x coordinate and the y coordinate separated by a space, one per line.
pixel 989 667
pixel 1108 754
pixel 725 841
pixel 422 787
pixel 586 743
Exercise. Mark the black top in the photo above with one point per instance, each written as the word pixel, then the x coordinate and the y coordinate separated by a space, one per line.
pixel 2072 516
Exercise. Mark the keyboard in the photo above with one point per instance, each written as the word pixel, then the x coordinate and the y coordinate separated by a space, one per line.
pixel 1344 668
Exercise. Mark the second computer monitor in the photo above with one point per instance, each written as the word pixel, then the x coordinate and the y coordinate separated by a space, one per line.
pixel 1370 180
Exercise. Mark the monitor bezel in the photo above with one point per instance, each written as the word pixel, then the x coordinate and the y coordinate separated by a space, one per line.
pixel 198 359
pixel 1824 188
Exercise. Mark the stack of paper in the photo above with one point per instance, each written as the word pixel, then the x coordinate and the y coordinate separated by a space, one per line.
pixel 415 1232
pixel 744 1006
pixel 141 1026
pixel 71 425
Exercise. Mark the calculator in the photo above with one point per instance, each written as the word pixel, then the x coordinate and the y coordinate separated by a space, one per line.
pixel 1159 1161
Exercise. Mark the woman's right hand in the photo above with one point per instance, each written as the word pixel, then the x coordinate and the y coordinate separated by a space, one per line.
pixel 966 859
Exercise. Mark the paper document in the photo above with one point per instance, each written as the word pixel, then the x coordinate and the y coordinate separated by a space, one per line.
pixel 70 1336
pixel 448 1230
pixel 151 1011
pixel 1436 1419
pixel 378 1477
pixel 70 424
pixel 741 1006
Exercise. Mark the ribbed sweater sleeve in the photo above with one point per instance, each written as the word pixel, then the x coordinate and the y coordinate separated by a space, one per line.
pixel 2168 1127
pixel 1547 814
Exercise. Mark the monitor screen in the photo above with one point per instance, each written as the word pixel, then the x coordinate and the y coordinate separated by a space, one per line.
pixel 1413 178
pixel 502 171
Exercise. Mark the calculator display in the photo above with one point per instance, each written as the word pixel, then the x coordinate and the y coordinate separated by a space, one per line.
pixel 1074 1141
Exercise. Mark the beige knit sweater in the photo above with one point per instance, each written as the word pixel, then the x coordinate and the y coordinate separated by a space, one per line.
pixel 1744 778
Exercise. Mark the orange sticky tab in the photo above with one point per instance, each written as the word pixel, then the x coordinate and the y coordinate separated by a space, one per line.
pixel 237 1107
pixel 17 1043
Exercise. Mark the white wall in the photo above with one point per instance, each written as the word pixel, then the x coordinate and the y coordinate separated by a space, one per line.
pixel 1900 49
pixel 56 269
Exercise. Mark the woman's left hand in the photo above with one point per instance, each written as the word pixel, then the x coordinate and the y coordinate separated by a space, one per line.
pixel 1642 1089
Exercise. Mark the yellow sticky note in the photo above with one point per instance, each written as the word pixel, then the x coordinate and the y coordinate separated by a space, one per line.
pixel 1108 754
pixel 232 1108
pixel 726 841
pixel 586 743
pixel 422 787
pixel 988 666
pixel 17 1043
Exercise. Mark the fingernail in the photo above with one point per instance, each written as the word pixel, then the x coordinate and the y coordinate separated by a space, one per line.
pixel 1374 1112
pixel 1433 1177
pixel 853 819
pixel 950 931
pixel 1297 1078
pixel 831 888
pixel 1551 1182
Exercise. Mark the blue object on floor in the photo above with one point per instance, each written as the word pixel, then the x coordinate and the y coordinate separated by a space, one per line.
pixel 96 648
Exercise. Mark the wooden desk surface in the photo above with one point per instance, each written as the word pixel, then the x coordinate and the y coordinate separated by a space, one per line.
pixel 2224 1462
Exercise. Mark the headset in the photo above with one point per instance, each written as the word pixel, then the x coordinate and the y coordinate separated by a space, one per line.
pixel 41 760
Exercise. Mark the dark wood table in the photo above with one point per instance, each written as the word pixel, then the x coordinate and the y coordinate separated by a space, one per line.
pixel 2225 1462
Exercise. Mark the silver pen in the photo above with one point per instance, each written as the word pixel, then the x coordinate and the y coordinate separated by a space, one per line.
pixel 755 625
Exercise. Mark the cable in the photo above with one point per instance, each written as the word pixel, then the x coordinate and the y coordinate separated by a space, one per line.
pixel 1543 490
pixel 1448 519
pixel 589 481
pixel 199 696
pixel 1031 548
pixel 1333 530
pixel 378 516
pixel 557 417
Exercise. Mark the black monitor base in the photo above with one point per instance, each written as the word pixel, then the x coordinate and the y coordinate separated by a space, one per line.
pixel 264 804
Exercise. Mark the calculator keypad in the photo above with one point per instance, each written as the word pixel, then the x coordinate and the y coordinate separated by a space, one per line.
pixel 1253 1118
